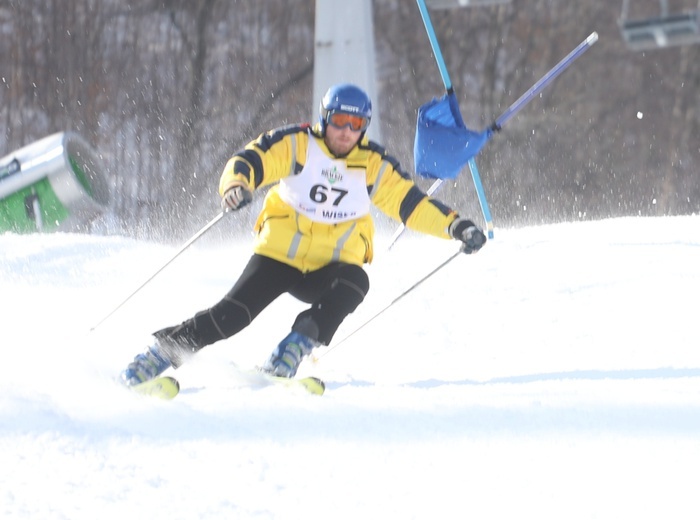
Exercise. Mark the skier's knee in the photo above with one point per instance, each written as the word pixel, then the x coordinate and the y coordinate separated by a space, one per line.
pixel 353 284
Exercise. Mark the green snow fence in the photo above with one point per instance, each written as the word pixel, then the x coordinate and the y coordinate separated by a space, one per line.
pixel 52 184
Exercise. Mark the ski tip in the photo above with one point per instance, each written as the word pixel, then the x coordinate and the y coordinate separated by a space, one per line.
pixel 320 383
pixel 312 384
pixel 164 387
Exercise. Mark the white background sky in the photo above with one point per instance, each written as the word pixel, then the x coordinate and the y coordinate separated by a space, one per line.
pixel 553 375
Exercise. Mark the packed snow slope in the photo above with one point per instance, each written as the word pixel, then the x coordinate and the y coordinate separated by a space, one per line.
pixel 554 375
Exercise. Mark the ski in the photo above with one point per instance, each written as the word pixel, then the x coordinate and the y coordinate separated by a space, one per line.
pixel 310 384
pixel 313 385
pixel 164 387
pixel 167 387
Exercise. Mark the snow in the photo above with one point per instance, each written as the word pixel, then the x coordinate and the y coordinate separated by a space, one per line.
pixel 554 375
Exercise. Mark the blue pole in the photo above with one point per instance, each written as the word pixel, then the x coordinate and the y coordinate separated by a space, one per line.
pixel 448 88
pixel 510 112
pixel 435 45
pixel 545 80
pixel 482 196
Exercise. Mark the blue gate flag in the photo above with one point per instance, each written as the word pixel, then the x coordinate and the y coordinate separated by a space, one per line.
pixel 443 144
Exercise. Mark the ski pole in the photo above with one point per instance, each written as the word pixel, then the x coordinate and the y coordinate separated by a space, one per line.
pixel 399 297
pixel 187 244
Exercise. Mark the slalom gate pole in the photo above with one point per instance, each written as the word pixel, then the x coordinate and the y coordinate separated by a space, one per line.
pixel 545 80
pixel 448 88
pixel 187 244
pixel 435 45
pixel 482 197
pixel 399 297
pixel 497 125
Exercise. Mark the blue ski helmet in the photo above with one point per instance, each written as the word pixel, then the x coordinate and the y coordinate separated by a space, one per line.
pixel 345 98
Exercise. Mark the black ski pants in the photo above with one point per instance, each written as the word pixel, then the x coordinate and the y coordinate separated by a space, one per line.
pixel 334 291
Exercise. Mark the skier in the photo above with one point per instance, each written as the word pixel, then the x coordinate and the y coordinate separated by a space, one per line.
pixel 314 233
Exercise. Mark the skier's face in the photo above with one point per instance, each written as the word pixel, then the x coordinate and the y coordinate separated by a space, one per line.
pixel 341 140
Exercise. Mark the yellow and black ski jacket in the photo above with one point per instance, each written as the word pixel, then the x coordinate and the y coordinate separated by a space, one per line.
pixel 291 235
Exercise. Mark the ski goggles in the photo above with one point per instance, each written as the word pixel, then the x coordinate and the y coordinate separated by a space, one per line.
pixel 343 119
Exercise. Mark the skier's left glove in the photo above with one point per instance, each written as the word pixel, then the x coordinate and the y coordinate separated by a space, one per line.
pixel 465 231
pixel 236 197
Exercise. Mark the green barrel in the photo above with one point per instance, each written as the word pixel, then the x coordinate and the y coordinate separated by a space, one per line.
pixel 52 184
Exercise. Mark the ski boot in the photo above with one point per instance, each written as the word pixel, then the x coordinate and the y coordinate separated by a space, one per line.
pixel 288 355
pixel 146 366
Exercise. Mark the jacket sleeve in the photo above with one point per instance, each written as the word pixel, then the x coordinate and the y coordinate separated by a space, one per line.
pixel 271 157
pixel 396 195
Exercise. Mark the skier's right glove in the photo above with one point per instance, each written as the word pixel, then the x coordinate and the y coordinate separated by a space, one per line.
pixel 465 231
pixel 236 197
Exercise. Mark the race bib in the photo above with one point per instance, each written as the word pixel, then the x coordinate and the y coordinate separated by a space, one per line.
pixel 326 190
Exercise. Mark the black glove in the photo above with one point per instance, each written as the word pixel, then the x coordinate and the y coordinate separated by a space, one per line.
pixel 472 237
pixel 236 197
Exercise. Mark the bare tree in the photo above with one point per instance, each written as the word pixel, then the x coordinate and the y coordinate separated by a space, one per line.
pixel 167 90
